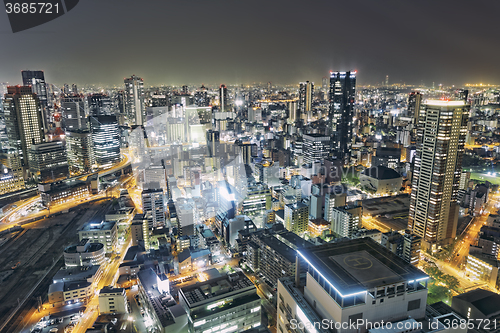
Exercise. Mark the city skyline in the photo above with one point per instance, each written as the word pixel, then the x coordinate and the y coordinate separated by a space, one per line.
pixel 412 44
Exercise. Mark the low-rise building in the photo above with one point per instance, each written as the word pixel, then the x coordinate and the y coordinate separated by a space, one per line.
pixel 112 300
pixel 59 193
pixel 381 180
pixel 483 267
pixel 84 253
pixel 226 304
pixel 100 232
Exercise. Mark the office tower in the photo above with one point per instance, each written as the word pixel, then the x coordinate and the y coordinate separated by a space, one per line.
pixel 351 285
pixel 36 79
pixel 23 120
pixel 106 139
pixel 74 112
pixel 342 95
pixel 414 101
pixel 201 97
pixel 442 127
pixel 306 90
pixel 315 147
pixel 213 143
pixel 134 100
pixel 296 217
pixel 49 162
pixel 80 149
pixel 293 112
pixel 12 175
pixel 153 203
pixel 345 221
pixel 99 105
pixel 223 98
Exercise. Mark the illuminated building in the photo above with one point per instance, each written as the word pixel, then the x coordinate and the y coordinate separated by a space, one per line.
pixel 342 100
pixel 224 304
pixel 223 99
pixel 414 101
pixel 36 79
pixel 161 312
pixel 80 149
pixel 258 199
pixel 49 162
pixel 306 91
pixel 59 193
pixel 345 221
pixel 134 100
pixel 315 147
pixel 84 253
pixel 153 203
pixel 100 232
pixel 140 231
pixel 483 267
pixel 213 143
pixel 73 284
pixel 23 120
pixel 297 217
pixel 442 128
pixel 74 111
pixel 348 281
pixel 99 105
pixel 106 139
pixel 411 248
pixel 381 180
pixel 293 112
pixel 112 300
pixel 11 171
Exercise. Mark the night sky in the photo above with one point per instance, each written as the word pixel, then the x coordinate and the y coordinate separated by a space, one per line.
pixel 234 41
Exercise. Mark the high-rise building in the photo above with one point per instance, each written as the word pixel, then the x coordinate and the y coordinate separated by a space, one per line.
pixel 332 201
pixel 134 100
pixel 293 112
pixel 306 90
pixel 411 247
pixel 223 98
pixel 23 120
pixel 153 203
pixel 350 286
pixel 201 97
pixel 49 162
pixel 296 217
pixel 80 148
pixel 414 101
pixel 342 99
pixel 442 128
pixel 74 112
pixel 315 147
pixel 106 140
pixel 99 105
pixel 12 175
pixel 345 221
pixel 213 143
pixel 36 79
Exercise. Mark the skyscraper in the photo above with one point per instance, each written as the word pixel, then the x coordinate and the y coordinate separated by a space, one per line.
pixel 414 101
pixel 49 162
pixel 315 147
pixel 36 79
pixel 342 95
pixel 222 98
pixel 306 90
pixel 80 150
pixel 74 112
pixel 296 217
pixel 106 139
pixel 442 127
pixel 134 100
pixel 23 120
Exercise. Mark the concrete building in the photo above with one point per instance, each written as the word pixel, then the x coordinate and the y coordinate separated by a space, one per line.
pixel 332 201
pixel 153 202
pixel 106 140
pixel 80 151
pixel 483 267
pixel 100 232
pixel 297 217
pixel 315 147
pixel 479 305
pixel 85 253
pixel 442 128
pixel 134 101
pixel 226 304
pixel 345 221
pixel 49 161
pixel 75 113
pixel 140 231
pixel 59 193
pixel 348 281
pixel 112 300
pixel 381 180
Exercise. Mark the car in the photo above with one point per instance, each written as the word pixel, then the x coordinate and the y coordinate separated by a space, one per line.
pixel 54 330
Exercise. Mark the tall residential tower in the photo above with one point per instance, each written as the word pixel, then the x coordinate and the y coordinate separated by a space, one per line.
pixel 134 100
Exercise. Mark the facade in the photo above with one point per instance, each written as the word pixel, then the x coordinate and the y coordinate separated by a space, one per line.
pixel 140 231
pixel 59 193
pixel 258 199
pixel 479 304
pixel 306 93
pixel 153 203
pixel 411 248
pixel 23 120
pixel 80 150
pixel 36 79
pixel 49 161
pixel 100 232
pixel 348 281
pixel 70 292
pixel 442 129
pixel 483 267
pixel 11 171
pixel 381 180
pixel 345 221
pixel 106 139
pixel 134 100
pixel 315 147
pixel 332 201
pixel 84 253
pixel 223 98
pixel 297 217
pixel 112 300
pixel 342 100
pixel 226 304
pixel 75 113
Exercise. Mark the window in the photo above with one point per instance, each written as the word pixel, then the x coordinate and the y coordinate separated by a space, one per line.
pixel 414 305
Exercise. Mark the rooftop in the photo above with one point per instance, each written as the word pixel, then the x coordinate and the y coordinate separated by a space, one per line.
pixel 89 226
pixel 358 265
pixel 485 301
pixel 381 172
